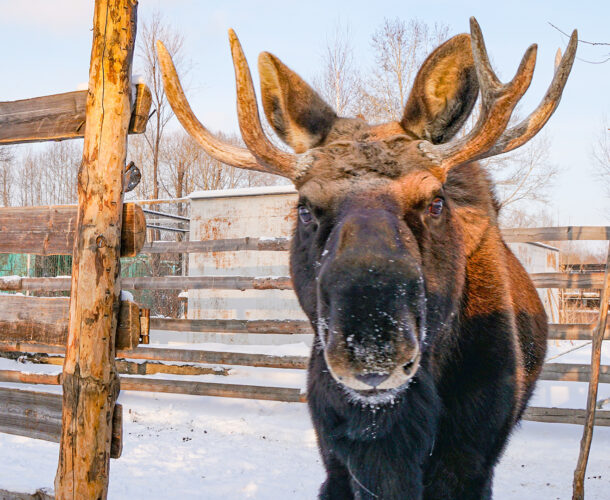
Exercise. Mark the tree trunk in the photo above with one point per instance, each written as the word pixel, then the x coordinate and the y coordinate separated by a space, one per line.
pixel 90 381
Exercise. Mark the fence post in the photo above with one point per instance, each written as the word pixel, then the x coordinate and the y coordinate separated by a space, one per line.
pixel 578 486
pixel 90 381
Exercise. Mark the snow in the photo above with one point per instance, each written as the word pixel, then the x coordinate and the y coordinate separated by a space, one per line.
pixel 125 295
pixel 179 446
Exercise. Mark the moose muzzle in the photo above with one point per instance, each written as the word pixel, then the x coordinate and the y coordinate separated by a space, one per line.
pixel 371 302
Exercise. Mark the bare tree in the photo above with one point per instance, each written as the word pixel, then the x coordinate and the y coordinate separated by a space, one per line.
pixel 6 176
pixel 523 179
pixel 399 47
pixel 156 28
pixel 339 83
pixel 47 176
pixel 601 155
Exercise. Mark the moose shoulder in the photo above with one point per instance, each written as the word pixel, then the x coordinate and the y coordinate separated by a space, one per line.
pixel 429 333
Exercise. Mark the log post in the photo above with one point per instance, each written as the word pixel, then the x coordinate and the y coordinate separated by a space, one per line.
pixel 90 380
pixel 578 486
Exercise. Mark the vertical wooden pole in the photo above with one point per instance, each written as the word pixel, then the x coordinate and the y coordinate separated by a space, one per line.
pixel 90 381
pixel 578 486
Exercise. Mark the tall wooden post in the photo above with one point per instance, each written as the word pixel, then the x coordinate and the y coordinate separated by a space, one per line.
pixel 578 485
pixel 90 381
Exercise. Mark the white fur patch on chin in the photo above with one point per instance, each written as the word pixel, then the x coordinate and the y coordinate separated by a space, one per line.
pixel 374 399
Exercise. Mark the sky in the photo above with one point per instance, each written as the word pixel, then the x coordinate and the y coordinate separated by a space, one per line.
pixel 45 47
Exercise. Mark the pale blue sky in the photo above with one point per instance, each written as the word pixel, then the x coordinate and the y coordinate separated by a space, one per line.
pixel 45 47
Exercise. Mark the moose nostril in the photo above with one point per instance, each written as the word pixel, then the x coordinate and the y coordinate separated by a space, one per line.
pixel 373 379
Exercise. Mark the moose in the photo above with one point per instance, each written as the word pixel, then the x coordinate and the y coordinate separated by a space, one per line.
pixel 429 334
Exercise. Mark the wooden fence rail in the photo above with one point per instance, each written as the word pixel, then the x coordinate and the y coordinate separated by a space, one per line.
pixel 38 415
pixel 60 116
pixel 287 394
pixel 541 280
pixel 49 230
pixel 44 320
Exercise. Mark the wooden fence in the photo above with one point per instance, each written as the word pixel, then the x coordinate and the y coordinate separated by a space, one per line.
pixel 96 233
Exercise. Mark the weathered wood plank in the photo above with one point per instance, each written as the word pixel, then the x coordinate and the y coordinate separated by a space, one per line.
pixel 541 280
pixel 564 416
pixel 44 320
pixel 60 116
pixel 37 415
pixel 213 389
pixel 41 494
pixel 32 414
pixel 207 282
pixel 568 372
pixel 123 366
pixel 288 327
pixel 179 355
pixel 568 280
pixel 49 230
pixel 558 233
pixel 571 331
pixel 156 283
pixel 232 245
pixel 215 357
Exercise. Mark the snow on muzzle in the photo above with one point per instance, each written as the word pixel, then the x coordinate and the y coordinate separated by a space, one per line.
pixel 371 306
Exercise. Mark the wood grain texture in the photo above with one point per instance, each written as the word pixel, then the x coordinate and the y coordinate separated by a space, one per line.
pixel 228 245
pixel 60 116
pixel 44 320
pixel 564 416
pixel 558 233
pixel 90 380
pixel 596 375
pixel 37 415
pixel 49 230
pixel 266 326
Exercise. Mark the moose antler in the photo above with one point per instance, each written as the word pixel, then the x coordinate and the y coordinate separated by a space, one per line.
pixel 489 136
pixel 261 154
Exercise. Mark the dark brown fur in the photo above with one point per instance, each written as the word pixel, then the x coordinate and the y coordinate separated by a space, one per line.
pixel 469 332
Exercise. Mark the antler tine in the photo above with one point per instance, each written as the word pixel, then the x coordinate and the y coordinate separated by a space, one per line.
pixel 276 160
pixel 530 126
pixel 497 103
pixel 216 148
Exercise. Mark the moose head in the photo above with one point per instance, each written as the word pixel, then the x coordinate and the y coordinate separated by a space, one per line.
pixel 388 214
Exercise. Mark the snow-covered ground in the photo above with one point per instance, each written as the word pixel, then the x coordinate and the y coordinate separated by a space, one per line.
pixel 217 448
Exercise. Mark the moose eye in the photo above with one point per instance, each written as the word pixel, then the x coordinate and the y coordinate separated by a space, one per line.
pixel 305 214
pixel 435 209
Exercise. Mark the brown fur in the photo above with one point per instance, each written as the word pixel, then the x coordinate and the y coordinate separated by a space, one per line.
pixel 377 186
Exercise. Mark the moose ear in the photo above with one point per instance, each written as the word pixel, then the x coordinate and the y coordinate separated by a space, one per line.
pixel 295 111
pixel 444 92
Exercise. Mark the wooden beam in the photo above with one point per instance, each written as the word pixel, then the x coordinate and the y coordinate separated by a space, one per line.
pixel 60 116
pixel 207 282
pixel 267 326
pixel 228 245
pixel 541 280
pixel 568 280
pixel 286 394
pixel 90 380
pixel 564 416
pixel 570 331
pixel 37 415
pixel 44 320
pixel 559 233
pixel 216 357
pixel 123 366
pixel 49 230
pixel 179 355
pixel 596 370
pixel 569 372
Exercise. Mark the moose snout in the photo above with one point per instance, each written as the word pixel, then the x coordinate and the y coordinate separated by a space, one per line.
pixel 371 302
